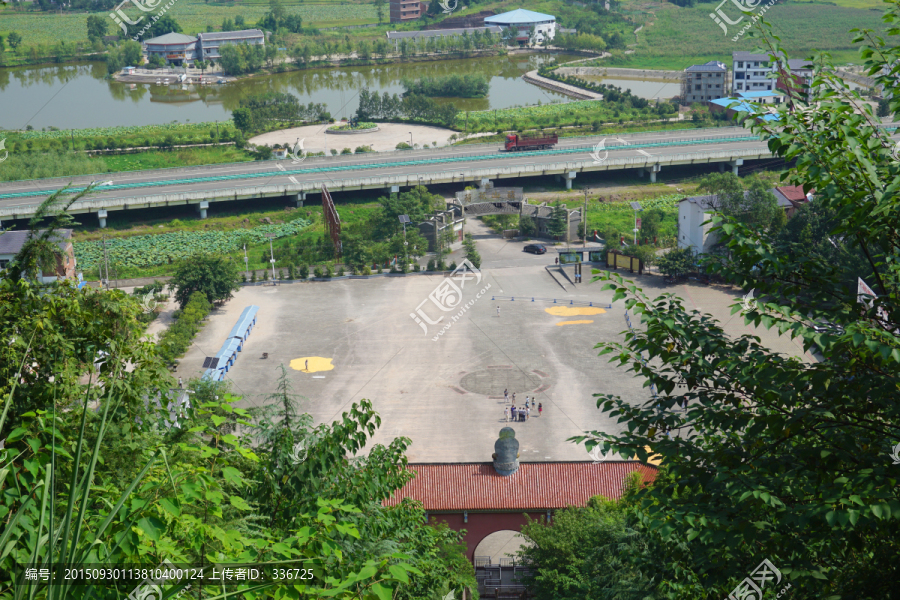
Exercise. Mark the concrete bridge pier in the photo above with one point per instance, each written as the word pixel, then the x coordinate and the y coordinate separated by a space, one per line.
pixel 393 189
pixel 653 170
pixel 735 164
pixel 298 199
pixel 101 216
pixel 569 177
pixel 201 208
pixel 485 183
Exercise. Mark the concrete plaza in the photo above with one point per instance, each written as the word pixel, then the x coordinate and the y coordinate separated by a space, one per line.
pixel 447 395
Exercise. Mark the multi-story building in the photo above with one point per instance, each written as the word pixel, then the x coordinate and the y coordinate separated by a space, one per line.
pixel 208 44
pixel 174 48
pixel 407 10
pixel 751 74
pixel 702 83
pixel 177 48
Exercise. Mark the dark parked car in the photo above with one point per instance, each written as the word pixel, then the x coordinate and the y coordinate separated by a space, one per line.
pixel 536 249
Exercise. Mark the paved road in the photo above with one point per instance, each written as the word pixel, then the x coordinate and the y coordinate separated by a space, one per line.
pixel 285 171
pixel 409 163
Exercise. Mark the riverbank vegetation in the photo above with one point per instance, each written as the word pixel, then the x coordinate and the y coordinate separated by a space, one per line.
pixel 457 85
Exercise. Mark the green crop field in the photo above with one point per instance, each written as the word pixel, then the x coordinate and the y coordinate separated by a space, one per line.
pixel 671 41
pixel 166 248
pixel 193 15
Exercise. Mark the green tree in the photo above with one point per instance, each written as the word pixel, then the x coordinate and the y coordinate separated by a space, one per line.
pixel 242 119
pixel 775 457
pixel 115 61
pixel 558 225
pixel 156 61
pixel 471 251
pixel 14 40
pixel 215 276
pixel 586 552
pixel 163 25
pixel 131 53
pixel 97 27
pixel 676 262
pixel 527 227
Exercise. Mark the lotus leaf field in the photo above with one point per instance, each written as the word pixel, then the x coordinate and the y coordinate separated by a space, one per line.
pixel 164 248
pixel 669 201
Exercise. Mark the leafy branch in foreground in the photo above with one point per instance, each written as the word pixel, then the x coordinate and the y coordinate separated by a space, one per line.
pixel 768 456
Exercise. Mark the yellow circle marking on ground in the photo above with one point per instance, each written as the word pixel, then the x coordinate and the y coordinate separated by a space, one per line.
pixel 312 364
pixel 574 322
pixel 574 311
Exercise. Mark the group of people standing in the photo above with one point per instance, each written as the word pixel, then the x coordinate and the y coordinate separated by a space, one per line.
pixel 520 413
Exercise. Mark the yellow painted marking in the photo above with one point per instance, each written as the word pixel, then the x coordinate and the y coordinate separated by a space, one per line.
pixel 316 364
pixel 574 322
pixel 574 311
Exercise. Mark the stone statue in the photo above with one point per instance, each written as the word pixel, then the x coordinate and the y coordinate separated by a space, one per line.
pixel 506 452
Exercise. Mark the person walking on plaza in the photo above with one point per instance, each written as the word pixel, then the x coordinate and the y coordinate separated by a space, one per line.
pixel 506 413
pixel 498 312
pixel 506 394
pixel 513 412
pixel 527 413
pixel 540 409
pixel 180 383
pixel 514 398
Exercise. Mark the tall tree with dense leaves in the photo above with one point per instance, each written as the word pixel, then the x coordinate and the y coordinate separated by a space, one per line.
pixel 97 26
pixel 559 223
pixel 215 276
pixel 775 457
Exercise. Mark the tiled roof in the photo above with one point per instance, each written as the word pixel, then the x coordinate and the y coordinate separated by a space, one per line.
pixel 535 486
pixel 171 38
pixel 742 56
pixel 518 17
pixel 792 194
pixel 12 241
pixel 230 35
pixel 710 67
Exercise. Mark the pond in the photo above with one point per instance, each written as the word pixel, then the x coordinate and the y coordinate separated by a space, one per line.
pixel 77 95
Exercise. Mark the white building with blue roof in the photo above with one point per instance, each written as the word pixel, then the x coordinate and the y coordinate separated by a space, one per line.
pixel 522 21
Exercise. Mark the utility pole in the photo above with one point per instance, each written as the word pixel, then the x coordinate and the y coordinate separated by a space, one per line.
pixel 106 260
pixel 272 253
pixel 404 219
pixel 246 262
pixel 584 222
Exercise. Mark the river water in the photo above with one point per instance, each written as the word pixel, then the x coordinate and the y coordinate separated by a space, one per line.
pixel 77 95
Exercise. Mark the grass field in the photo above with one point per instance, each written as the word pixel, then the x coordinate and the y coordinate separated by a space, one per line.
pixel 192 15
pixel 672 38
pixel 176 158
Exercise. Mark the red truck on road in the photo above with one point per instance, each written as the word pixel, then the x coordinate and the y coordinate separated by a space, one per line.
pixel 515 142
